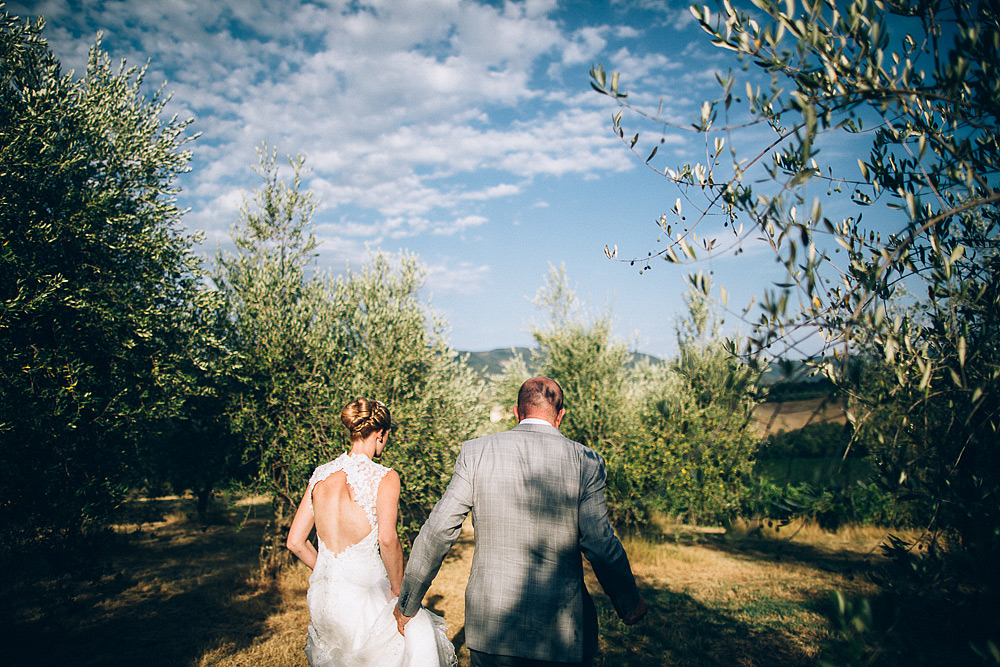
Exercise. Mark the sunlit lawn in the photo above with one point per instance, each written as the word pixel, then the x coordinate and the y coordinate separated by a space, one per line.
pixel 170 591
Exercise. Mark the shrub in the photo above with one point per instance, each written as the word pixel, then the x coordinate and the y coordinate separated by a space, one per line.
pixel 812 440
pixel 308 346
pixel 97 281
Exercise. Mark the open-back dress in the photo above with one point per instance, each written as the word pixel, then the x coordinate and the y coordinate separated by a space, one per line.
pixel 349 598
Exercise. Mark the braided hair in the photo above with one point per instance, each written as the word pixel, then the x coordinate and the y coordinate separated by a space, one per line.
pixel 364 416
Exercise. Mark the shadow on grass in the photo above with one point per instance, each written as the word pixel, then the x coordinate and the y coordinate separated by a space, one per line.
pixel 915 619
pixel 764 548
pixel 163 596
pixel 681 631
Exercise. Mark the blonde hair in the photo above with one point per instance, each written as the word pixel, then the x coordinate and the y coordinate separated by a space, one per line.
pixel 363 416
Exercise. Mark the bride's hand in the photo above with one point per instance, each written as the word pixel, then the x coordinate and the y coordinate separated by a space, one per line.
pixel 401 619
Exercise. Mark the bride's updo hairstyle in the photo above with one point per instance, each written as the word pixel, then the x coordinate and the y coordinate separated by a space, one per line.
pixel 363 416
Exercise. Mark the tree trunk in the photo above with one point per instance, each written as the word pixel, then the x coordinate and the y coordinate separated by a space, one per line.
pixel 204 498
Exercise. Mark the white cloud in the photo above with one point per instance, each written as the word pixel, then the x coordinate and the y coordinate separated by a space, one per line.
pixel 461 224
pixel 458 278
pixel 412 113
pixel 494 192
pixel 626 31
pixel 584 46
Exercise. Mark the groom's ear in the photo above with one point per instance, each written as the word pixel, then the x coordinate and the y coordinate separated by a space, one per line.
pixel 559 417
pixel 517 417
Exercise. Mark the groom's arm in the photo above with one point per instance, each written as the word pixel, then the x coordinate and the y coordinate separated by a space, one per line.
pixel 436 537
pixel 602 547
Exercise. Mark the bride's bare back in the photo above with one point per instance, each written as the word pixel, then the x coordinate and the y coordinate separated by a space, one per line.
pixel 340 521
pixel 357 571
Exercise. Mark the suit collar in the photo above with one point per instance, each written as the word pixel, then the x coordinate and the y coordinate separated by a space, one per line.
pixel 536 427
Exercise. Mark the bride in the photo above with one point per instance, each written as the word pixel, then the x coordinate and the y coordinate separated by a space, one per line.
pixel 358 565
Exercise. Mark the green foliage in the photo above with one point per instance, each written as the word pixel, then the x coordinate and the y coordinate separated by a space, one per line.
pixel 854 622
pixel 812 440
pixel 197 448
pixel 594 373
pixel 589 365
pixel 285 400
pixel 395 348
pixel 673 434
pixel 801 390
pixel 306 345
pixel 700 418
pixel 96 284
pixel 920 82
pixel 829 505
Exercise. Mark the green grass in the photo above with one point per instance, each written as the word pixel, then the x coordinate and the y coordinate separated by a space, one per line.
pixel 820 471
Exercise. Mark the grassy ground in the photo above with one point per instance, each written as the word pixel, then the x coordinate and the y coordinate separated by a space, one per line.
pixel 732 599
pixel 819 471
pixel 169 591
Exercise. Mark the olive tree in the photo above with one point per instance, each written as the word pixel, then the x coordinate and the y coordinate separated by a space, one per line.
pixel 700 417
pixel 674 433
pixel 97 282
pixel 399 353
pixel 580 353
pixel 594 372
pixel 308 343
pixel 918 83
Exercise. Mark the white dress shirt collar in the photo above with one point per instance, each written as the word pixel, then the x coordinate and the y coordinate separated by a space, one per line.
pixel 534 420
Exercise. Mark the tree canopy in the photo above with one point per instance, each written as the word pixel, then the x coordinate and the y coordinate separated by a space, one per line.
pixel 306 344
pixel 96 281
pixel 904 290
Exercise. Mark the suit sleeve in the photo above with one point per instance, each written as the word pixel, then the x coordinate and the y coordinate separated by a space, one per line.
pixel 598 541
pixel 436 537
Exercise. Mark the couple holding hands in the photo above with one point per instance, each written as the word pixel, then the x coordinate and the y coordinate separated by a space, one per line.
pixel 537 504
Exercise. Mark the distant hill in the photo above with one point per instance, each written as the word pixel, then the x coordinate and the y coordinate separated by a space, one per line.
pixel 490 362
pixel 788 380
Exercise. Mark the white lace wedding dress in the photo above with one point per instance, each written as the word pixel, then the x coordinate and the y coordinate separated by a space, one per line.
pixel 350 604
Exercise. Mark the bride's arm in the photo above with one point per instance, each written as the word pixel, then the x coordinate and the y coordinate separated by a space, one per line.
pixel 386 509
pixel 298 535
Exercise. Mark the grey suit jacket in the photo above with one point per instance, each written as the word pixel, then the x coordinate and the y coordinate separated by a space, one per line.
pixel 537 503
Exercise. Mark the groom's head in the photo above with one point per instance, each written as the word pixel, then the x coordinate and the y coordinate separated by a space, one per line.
pixel 541 398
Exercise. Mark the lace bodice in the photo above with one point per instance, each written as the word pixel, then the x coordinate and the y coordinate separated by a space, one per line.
pixel 351 621
pixel 363 476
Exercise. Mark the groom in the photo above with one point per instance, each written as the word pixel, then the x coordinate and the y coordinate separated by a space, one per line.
pixel 537 503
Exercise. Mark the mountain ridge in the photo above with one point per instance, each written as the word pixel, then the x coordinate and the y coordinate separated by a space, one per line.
pixel 786 373
pixel 489 362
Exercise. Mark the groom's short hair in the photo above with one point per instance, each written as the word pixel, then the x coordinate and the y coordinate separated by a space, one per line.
pixel 539 394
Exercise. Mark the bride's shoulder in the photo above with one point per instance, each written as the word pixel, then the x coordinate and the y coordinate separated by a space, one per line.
pixel 326 469
pixel 380 469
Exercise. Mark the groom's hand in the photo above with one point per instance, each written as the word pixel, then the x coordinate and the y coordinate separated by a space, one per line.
pixel 637 613
pixel 401 619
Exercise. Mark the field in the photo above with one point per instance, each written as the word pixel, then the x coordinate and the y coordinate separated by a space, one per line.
pixel 168 591
pixel 778 416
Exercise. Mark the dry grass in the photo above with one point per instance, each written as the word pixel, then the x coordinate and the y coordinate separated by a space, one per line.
pixel 742 597
pixel 173 592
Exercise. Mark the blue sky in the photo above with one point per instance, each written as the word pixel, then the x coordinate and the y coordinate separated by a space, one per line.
pixel 464 132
